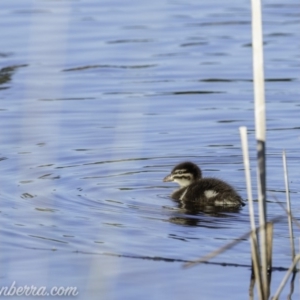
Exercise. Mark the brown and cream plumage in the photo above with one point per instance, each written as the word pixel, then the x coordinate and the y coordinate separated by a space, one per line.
pixel 202 191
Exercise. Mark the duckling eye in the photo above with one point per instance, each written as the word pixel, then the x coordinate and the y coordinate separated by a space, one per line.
pixel 180 172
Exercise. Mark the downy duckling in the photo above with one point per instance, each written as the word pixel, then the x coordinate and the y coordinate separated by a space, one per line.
pixel 202 191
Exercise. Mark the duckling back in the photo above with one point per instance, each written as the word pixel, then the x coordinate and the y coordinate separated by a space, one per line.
pixel 209 191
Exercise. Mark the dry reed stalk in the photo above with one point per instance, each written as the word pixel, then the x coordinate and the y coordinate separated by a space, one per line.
pixel 256 264
pixel 259 95
pixel 253 240
pixel 286 277
pixel 269 233
pixel 288 204
pixel 227 246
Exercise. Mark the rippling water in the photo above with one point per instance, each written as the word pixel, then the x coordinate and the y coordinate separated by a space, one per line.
pixel 99 100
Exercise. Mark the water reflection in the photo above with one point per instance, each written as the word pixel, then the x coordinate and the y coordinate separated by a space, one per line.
pixel 252 284
pixel 192 212
pixel 7 72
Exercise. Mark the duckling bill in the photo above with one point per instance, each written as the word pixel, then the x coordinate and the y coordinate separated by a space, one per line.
pixel 202 191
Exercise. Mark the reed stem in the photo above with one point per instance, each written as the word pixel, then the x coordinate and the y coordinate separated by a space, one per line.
pixel 259 95
pixel 253 240
pixel 288 204
pixel 286 277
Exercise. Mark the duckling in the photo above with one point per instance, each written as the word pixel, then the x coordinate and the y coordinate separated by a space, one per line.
pixel 202 191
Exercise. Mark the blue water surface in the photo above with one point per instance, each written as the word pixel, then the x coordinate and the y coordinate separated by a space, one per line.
pixel 98 101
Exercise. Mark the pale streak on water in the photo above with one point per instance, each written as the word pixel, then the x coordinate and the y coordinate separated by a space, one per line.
pixel 98 101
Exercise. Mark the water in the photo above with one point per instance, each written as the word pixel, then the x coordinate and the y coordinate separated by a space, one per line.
pixel 99 100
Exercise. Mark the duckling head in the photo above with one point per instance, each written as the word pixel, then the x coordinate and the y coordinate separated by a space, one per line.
pixel 184 174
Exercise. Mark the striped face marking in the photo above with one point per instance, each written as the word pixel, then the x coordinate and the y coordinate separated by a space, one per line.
pixel 184 174
pixel 182 177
